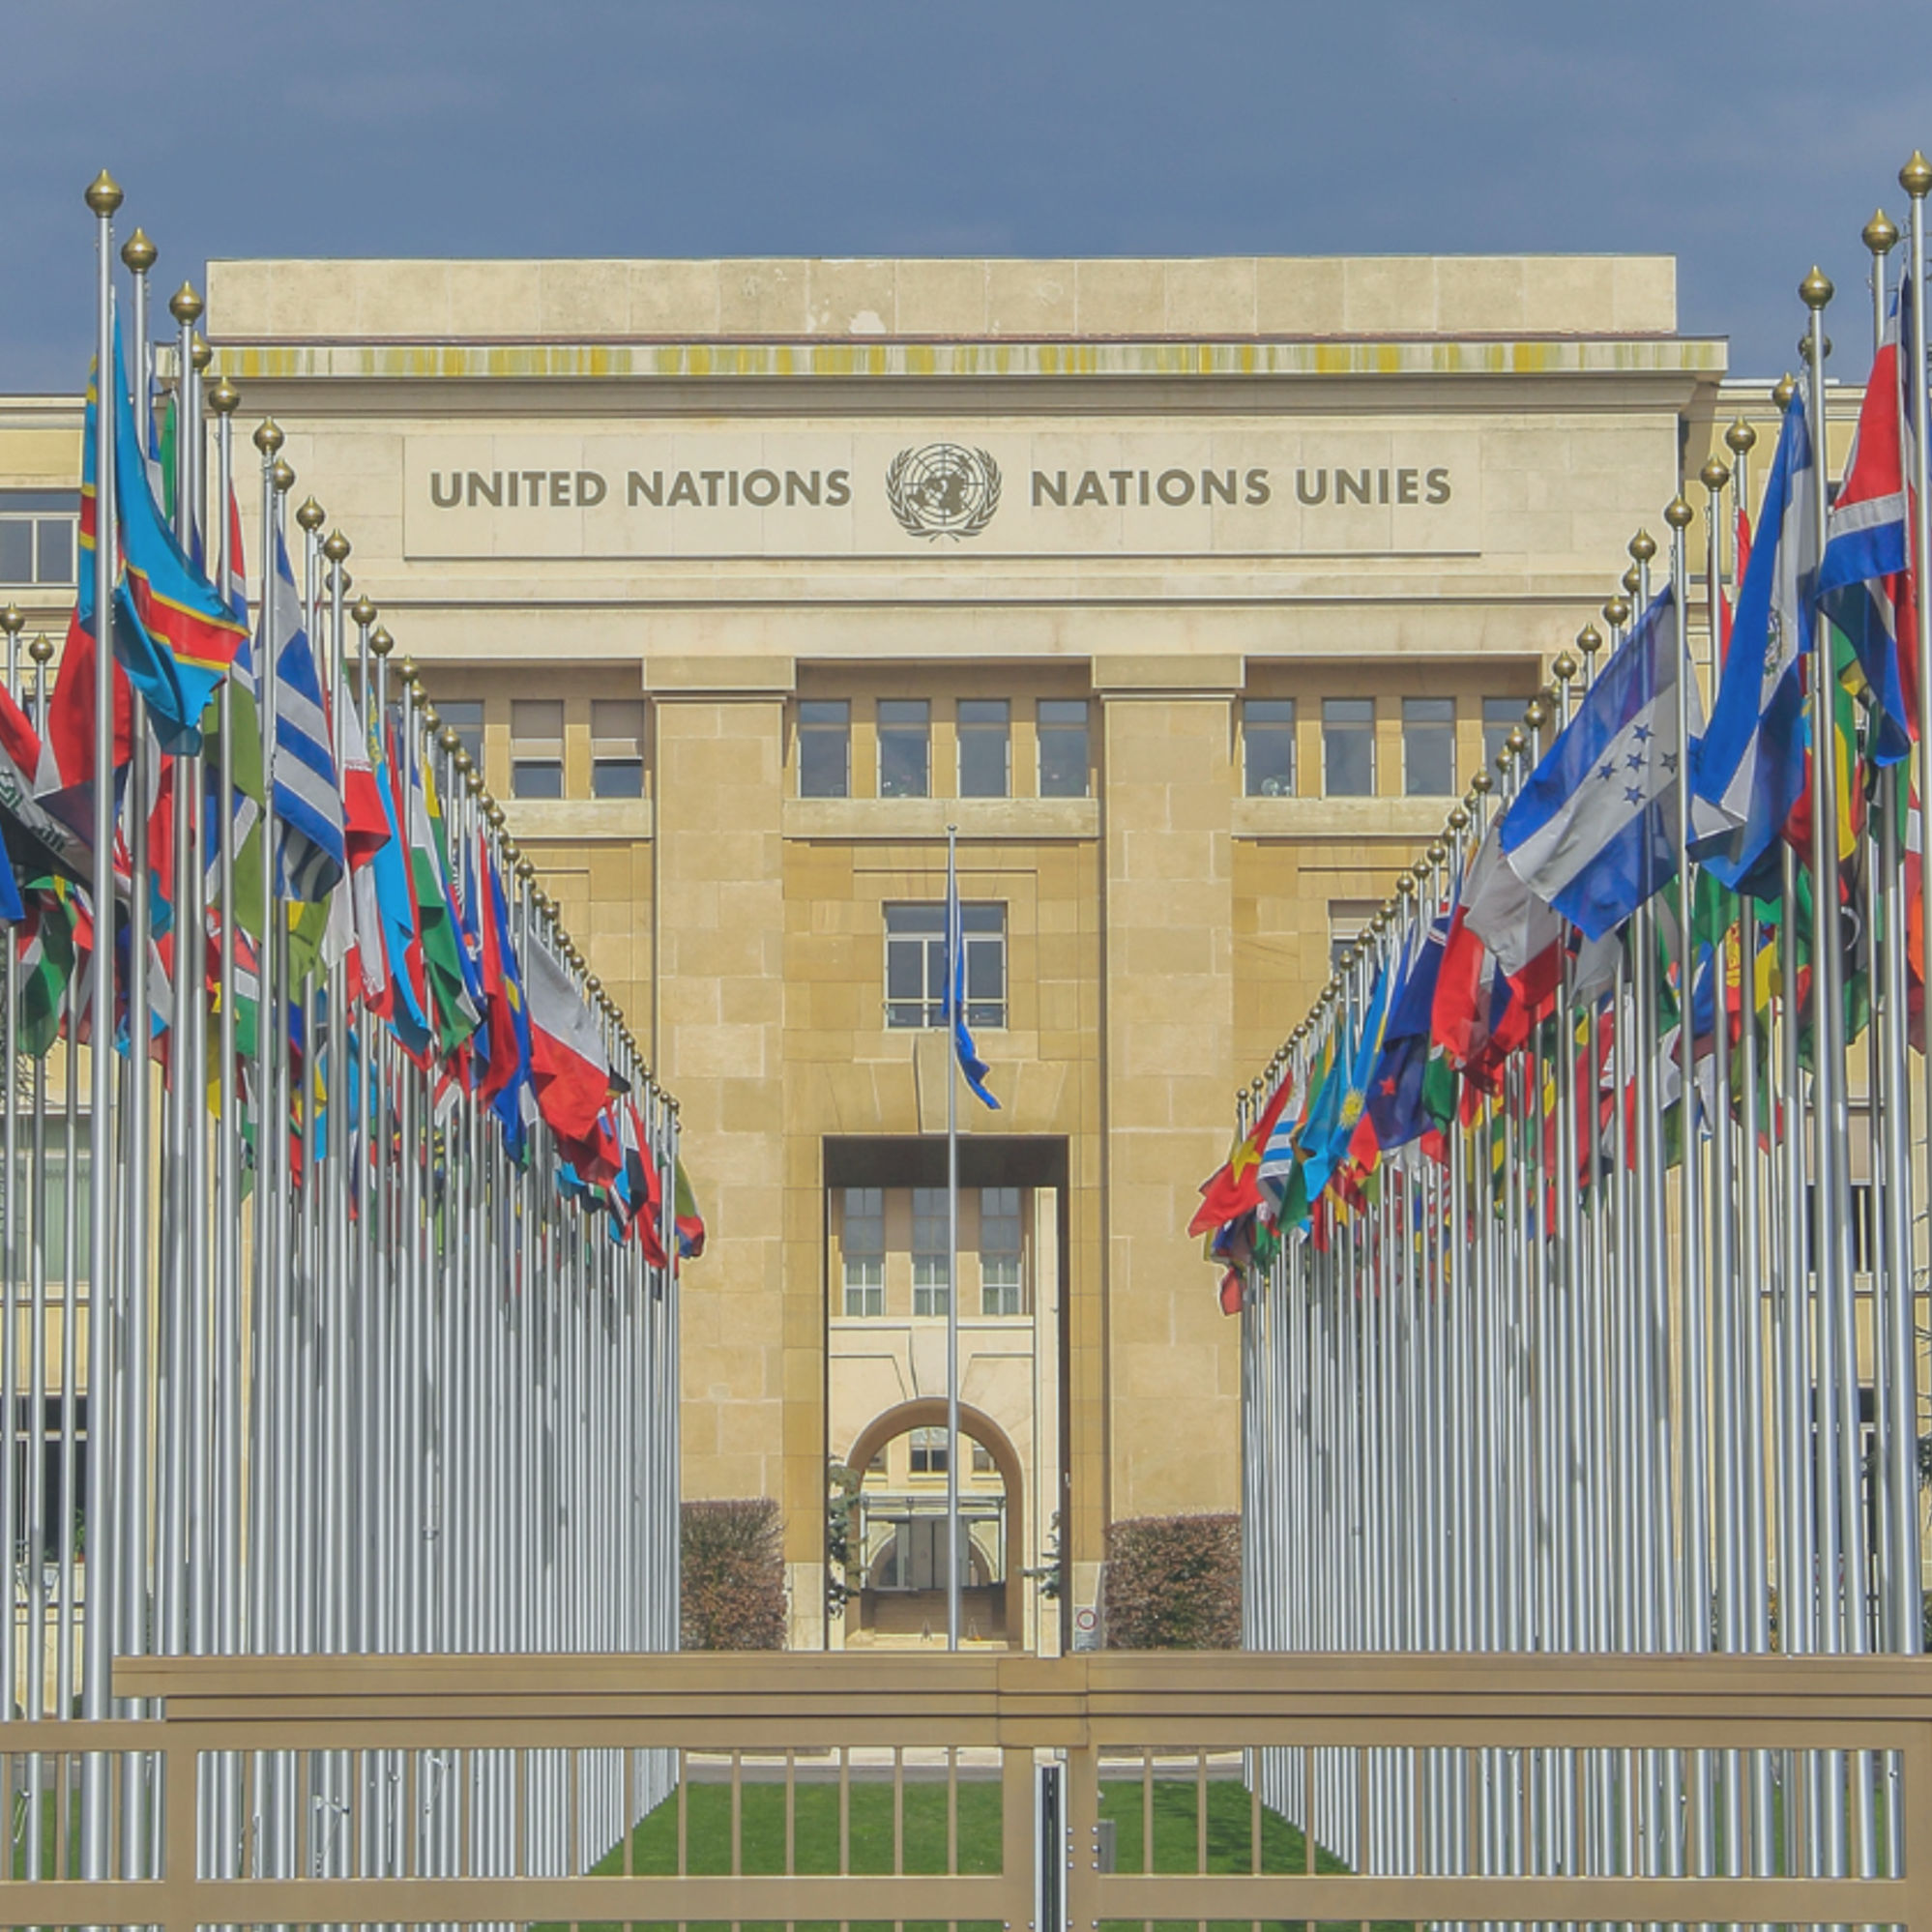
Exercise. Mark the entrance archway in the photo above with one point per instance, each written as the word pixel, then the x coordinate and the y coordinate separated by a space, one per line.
pixel 930 1412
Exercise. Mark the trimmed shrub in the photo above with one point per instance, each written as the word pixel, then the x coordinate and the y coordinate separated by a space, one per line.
pixel 1173 1583
pixel 732 1595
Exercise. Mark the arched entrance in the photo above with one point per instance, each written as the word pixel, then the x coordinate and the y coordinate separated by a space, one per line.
pixel 930 1412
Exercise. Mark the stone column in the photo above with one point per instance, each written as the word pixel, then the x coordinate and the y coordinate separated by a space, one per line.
pixel 1173 1359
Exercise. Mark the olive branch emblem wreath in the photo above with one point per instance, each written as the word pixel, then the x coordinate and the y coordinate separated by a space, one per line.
pixel 913 515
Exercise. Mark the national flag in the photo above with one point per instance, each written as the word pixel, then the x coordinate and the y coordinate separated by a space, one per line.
pixel 310 854
pixel 69 721
pixel 43 944
pixel 569 1072
pixel 174 633
pixel 447 970
pixel 1749 765
pixel 954 1008
pixel 1593 829
pixel 1396 1093
pixel 402 997
pixel 1521 932
pixel 690 1222
pixel 506 1080
pixel 1864 579
pixel 1233 1188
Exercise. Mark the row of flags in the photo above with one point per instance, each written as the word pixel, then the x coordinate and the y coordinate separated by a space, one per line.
pixel 1548 895
pixel 366 870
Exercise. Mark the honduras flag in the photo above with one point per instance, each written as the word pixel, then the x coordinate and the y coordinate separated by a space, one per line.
pixel 310 847
pixel 1750 765
pixel 953 1010
pixel 1595 829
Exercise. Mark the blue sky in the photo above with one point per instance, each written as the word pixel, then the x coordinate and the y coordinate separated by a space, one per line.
pixel 1745 139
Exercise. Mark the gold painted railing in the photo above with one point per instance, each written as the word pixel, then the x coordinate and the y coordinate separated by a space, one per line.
pixel 902 1787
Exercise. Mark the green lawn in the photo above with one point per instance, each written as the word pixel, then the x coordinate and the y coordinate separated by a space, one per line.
pixel 817 1833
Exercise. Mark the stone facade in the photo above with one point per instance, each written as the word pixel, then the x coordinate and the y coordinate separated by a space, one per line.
pixel 1178 492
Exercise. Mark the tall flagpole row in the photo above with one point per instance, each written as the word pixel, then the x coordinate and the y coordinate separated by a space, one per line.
pixel 342 1210
pixel 1579 1230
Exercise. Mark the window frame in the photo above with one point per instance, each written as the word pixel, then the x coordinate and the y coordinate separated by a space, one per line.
pixel 522 760
pixel 870 1261
pixel 1014 1292
pixel 816 730
pixel 1332 728
pixel 924 931
pixel 902 730
pixel 1257 729
pixel 1043 728
pixel 969 731
pixel 1444 727
pixel 36 510
pixel 604 763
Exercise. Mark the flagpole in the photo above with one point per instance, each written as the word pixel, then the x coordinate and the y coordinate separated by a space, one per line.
pixel 955 985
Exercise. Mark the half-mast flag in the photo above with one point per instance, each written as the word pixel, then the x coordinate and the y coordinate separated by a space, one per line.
pixel 1593 829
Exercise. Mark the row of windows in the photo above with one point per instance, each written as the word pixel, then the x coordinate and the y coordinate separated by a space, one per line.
pixel 904 734
pixel 1002 1249
pixel 536 744
pixel 1348 745
pixel 37 537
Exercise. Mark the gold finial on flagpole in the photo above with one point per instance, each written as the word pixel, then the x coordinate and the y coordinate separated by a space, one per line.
pixel 1784 389
pixel 1915 176
pixel 41 650
pixel 185 305
pixel 1564 667
pixel 1617 611
pixel 1590 641
pixel 1632 581
pixel 1816 290
pixel 104 193
pixel 363 612
pixel 199 354
pixel 311 515
pixel 1678 514
pixel 381 642
pixel 335 546
pixel 1880 234
pixel 283 476
pixel 12 620
pixel 223 398
pixel 1643 546
pixel 268 436
pixel 1714 474
pixel 1740 438
pixel 138 253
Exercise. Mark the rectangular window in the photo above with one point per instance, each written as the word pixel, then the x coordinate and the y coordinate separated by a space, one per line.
pixel 1500 717
pixel 905 748
pixel 985 742
pixel 983 1460
pixel 537 748
pixel 928 1447
pixel 1348 747
pixel 1061 726
pixel 1002 1291
pixel 916 965
pixel 1428 748
pixel 465 717
pixel 50 1239
pixel 863 1244
pixel 37 537
pixel 1348 920
pixel 931 1256
pixel 616 747
pixel 825 749
pixel 1268 747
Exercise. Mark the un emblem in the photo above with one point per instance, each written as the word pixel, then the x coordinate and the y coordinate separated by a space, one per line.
pixel 943 490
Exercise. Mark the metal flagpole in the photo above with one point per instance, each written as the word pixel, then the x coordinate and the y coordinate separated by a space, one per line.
pixel 104 197
pixel 955 986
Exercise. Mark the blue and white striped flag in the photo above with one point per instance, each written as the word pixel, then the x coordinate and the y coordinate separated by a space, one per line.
pixel 309 848
pixel 1593 829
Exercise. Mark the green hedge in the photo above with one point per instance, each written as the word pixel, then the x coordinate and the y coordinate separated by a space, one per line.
pixel 1174 1584
pixel 732 1595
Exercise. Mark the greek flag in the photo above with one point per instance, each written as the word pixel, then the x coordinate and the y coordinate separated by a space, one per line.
pixel 310 849
pixel 955 1011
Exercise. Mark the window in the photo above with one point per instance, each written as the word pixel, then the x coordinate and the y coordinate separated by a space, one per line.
pixel 985 740
pixel 1061 724
pixel 36 536
pixel 1428 748
pixel 1001 1290
pixel 928 1452
pixel 465 717
pixel 916 964
pixel 983 1460
pixel 616 747
pixel 50 1238
pixel 537 748
pixel 1348 920
pixel 905 748
pixel 862 1243
pixel 1348 747
pixel 932 1260
pixel 1268 747
pixel 825 749
pixel 1500 717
